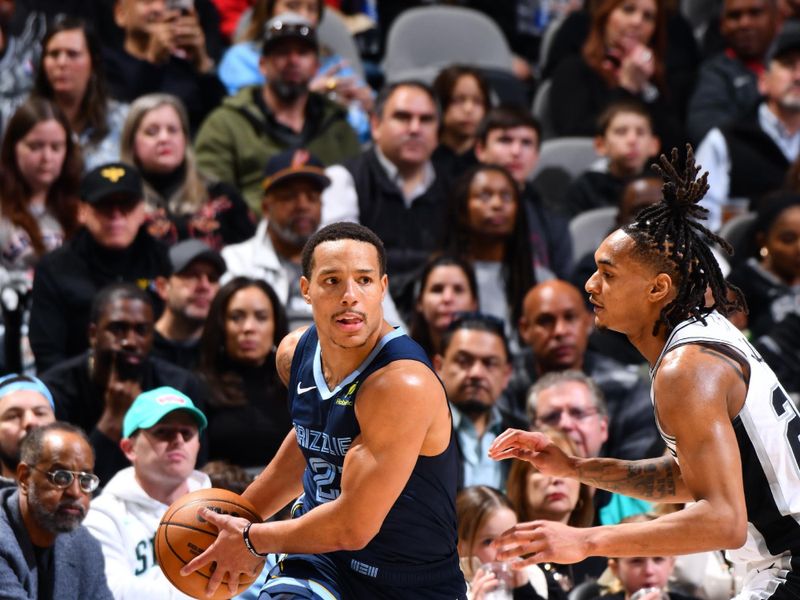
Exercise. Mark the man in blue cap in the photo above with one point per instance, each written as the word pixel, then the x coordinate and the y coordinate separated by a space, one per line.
pixel 161 439
pixel 25 403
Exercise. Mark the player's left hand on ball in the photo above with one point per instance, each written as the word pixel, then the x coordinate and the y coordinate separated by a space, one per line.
pixel 231 556
pixel 542 541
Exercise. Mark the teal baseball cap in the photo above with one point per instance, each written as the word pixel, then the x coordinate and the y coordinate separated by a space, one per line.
pixel 153 405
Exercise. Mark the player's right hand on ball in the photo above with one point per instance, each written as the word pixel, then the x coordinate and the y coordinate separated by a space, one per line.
pixel 536 448
pixel 231 556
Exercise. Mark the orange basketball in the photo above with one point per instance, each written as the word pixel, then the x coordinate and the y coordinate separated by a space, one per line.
pixel 182 536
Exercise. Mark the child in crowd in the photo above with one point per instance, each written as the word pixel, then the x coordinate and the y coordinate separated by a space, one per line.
pixel 625 138
pixel 483 513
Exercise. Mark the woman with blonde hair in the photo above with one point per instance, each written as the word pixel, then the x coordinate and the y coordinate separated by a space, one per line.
pixel 181 201
pixel 483 513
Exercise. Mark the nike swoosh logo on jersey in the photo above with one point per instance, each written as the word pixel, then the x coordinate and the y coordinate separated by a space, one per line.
pixel 302 390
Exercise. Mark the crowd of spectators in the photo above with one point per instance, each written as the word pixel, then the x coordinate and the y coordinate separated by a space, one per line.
pixel 162 165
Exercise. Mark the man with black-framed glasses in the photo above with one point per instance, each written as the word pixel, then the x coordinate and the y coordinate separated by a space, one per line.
pixel 45 552
pixel 161 439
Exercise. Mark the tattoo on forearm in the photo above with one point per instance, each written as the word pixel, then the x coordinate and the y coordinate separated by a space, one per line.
pixel 652 479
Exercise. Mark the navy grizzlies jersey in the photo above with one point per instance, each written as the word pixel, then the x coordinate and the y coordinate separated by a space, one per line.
pixel 768 434
pixel 420 529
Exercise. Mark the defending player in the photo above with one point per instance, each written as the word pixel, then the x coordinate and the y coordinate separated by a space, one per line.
pixel 372 449
pixel 732 431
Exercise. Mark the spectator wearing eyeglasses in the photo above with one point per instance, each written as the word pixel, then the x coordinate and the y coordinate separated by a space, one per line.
pixel 571 402
pixel 187 296
pixel 474 366
pixel 45 552
pixel 25 403
pixel 555 327
pixel 161 440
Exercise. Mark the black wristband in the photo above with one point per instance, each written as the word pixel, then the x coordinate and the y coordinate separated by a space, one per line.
pixel 249 544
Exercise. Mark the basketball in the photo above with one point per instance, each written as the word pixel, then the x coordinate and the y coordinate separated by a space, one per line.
pixel 182 535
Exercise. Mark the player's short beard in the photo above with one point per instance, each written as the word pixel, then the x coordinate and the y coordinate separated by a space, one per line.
pixel 287 235
pixel 288 92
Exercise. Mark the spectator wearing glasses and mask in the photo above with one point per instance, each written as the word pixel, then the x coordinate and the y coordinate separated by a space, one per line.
pixel 45 553
pixel 474 366
pixel 161 440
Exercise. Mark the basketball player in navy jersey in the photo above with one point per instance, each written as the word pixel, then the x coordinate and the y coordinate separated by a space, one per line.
pixel 732 432
pixel 372 451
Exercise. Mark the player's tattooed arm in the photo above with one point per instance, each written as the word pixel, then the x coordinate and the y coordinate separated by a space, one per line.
pixel 284 363
pixel 735 366
pixel 657 479
pixel 283 358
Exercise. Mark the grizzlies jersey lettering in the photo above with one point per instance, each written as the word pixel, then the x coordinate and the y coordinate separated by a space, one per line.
pixel 768 435
pixel 420 528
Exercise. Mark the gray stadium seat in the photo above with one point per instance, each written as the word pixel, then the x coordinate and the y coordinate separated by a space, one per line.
pixel 590 228
pixel 422 41
pixel 334 34
pixel 541 108
pixel 735 232
pixel 571 154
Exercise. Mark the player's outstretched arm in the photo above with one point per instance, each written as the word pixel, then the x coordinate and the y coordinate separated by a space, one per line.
pixel 276 486
pixel 693 392
pixel 655 480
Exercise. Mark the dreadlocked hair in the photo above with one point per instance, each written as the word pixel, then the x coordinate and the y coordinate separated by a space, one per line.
pixel 670 237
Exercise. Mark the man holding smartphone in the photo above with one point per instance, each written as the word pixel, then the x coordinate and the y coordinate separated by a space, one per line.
pixel 164 50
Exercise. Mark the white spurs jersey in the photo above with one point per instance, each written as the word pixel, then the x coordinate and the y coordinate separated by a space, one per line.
pixel 768 435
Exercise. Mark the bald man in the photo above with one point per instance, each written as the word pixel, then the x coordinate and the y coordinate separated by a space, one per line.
pixel 555 326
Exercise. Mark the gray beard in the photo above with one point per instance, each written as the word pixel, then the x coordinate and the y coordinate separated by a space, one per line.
pixel 286 235
pixel 54 522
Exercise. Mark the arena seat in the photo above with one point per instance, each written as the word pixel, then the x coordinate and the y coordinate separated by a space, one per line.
pixel 423 40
